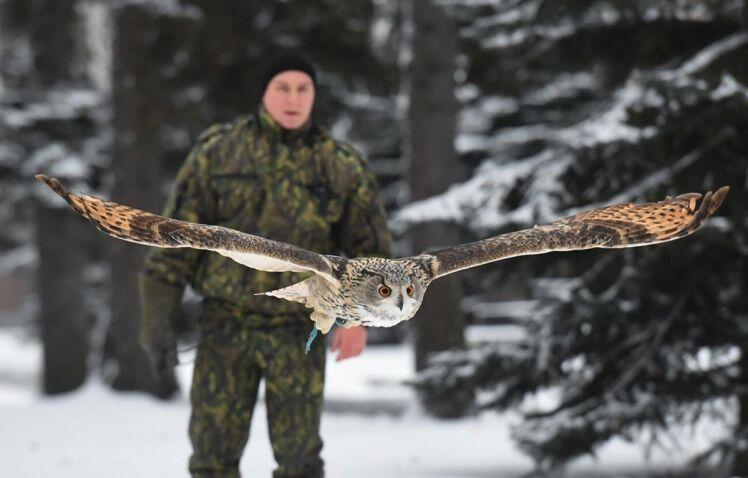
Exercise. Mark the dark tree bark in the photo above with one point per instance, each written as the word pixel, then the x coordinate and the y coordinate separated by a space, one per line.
pixel 54 26
pixel 439 325
pixel 138 104
pixel 64 322
pixel 55 39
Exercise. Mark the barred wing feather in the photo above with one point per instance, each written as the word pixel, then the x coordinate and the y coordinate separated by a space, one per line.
pixel 142 227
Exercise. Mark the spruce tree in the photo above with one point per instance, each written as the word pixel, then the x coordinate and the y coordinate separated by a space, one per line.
pixel 570 105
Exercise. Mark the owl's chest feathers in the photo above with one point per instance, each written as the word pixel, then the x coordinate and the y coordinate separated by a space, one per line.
pixel 340 302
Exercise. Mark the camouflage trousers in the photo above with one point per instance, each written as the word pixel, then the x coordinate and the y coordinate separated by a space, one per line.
pixel 232 357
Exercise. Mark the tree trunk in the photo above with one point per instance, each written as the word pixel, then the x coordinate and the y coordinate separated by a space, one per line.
pixel 137 112
pixel 439 325
pixel 54 27
pixel 55 40
pixel 64 322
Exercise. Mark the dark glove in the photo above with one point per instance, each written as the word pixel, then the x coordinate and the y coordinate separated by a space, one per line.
pixel 158 339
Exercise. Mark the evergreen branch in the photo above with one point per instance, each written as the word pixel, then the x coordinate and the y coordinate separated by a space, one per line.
pixel 645 355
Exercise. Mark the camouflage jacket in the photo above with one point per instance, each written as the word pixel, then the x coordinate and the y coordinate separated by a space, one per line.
pixel 300 187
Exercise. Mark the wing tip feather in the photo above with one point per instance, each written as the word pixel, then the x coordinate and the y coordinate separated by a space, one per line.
pixel 717 198
pixel 76 202
pixel 710 203
pixel 55 185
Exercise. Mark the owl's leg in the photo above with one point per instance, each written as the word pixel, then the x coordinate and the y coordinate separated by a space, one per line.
pixel 321 322
pixel 313 333
pixel 312 336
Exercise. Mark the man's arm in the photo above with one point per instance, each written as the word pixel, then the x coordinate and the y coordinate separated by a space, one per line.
pixel 167 271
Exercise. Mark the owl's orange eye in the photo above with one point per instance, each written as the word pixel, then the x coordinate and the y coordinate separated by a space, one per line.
pixel 409 290
pixel 384 291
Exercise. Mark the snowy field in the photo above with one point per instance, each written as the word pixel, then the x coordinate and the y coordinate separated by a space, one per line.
pixel 372 428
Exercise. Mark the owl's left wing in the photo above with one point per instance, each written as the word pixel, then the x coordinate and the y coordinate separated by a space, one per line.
pixel 623 225
pixel 143 227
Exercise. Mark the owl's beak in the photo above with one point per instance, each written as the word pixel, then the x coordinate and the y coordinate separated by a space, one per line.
pixel 400 302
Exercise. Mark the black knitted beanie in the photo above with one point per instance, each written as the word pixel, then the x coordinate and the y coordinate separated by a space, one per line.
pixel 285 61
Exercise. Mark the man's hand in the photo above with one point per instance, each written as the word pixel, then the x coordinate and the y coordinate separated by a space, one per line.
pixel 350 342
pixel 160 346
pixel 157 337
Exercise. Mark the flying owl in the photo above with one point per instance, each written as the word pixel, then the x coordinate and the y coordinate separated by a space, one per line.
pixel 382 292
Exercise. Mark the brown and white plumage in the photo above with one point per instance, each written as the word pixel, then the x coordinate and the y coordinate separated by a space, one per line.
pixel 143 227
pixel 611 227
pixel 383 292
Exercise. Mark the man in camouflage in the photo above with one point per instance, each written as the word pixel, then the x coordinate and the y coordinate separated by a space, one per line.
pixel 277 175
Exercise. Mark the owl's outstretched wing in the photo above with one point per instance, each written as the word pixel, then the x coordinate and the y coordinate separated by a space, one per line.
pixel 143 227
pixel 624 225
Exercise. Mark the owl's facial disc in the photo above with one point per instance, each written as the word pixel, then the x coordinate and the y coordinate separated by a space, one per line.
pixel 389 297
pixel 397 299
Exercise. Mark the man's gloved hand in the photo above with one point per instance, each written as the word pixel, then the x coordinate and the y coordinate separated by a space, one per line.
pixel 158 338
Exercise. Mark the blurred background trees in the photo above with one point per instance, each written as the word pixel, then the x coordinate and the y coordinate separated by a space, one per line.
pixel 150 76
pixel 575 104
pixel 478 118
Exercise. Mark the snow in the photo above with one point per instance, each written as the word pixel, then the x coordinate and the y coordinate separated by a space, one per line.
pixel 729 86
pixel 712 53
pixel 493 334
pixel 610 125
pixel 480 200
pixel 59 104
pixel 565 85
pixel 477 117
pixel 517 22
pixel 97 27
pixel 533 33
pixel 14 259
pixel 56 160
pixel 481 309
pixel 96 432
pixel 706 359
pixel 383 25
pixel 514 14
pixel 172 8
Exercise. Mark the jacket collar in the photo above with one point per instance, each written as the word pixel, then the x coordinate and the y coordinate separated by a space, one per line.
pixel 276 132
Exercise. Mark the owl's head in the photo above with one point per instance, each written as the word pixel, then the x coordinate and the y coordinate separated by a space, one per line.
pixel 389 295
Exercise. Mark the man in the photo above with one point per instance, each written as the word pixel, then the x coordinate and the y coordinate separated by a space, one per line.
pixel 277 175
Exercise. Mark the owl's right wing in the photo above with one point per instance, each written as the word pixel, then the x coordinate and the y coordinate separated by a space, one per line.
pixel 143 227
pixel 619 226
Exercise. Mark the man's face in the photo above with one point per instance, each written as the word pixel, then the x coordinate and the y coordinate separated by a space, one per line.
pixel 289 98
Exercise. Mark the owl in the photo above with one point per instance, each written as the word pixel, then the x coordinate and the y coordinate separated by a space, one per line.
pixel 380 292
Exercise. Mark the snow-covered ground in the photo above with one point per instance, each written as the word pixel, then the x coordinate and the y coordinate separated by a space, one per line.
pixel 372 428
